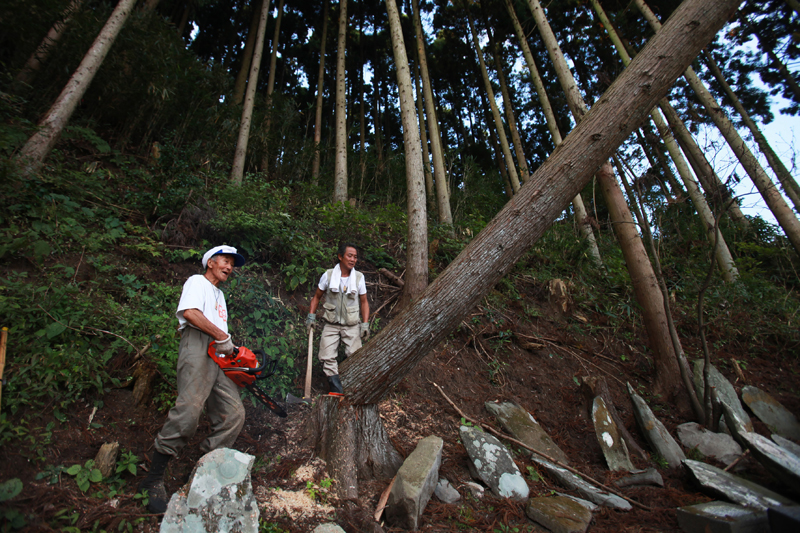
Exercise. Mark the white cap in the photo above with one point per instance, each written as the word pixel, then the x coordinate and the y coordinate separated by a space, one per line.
pixel 226 250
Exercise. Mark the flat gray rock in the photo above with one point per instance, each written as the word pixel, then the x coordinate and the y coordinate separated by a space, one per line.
pixel 734 488
pixel 218 497
pixel 328 528
pixel 559 514
pixel 720 446
pixel 614 449
pixel 782 464
pixel 734 423
pixel 651 476
pixel 414 484
pixel 584 488
pixel 721 517
pixel 787 445
pixel 770 411
pixel 655 432
pixel 523 427
pixel 725 391
pixel 494 464
pixel 446 492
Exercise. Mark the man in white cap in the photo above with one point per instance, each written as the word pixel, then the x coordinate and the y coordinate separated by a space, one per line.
pixel 202 320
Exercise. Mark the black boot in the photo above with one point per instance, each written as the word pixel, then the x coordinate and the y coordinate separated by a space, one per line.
pixel 336 386
pixel 154 483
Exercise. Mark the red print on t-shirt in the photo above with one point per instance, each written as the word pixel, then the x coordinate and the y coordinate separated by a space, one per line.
pixel 222 314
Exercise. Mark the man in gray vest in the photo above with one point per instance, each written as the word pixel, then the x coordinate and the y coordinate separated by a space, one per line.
pixel 345 302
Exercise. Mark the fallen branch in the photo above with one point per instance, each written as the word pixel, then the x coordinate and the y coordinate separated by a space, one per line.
pixel 736 462
pixel 502 435
pixel 393 277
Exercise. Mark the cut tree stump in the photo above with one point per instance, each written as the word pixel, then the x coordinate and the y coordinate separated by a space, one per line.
pixel 106 458
pixel 353 443
pixel 143 377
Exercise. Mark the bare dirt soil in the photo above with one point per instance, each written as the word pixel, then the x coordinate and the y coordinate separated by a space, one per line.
pixel 502 352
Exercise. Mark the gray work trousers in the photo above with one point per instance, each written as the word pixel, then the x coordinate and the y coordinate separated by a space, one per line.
pixel 332 334
pixel 201 382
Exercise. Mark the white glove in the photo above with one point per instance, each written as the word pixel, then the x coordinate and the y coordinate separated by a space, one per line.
pixel 225 346
pixel 364 330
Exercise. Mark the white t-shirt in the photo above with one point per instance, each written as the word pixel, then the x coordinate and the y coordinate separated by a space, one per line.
pixel 323 283
pixel 199 293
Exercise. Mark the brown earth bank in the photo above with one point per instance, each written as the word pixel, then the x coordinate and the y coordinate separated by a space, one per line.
pixel 525 349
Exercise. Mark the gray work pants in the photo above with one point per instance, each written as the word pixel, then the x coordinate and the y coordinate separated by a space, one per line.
pixel 332 334
pixel 201 382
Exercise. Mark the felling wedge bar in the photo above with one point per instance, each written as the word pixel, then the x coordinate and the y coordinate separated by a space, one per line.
pixel 502 435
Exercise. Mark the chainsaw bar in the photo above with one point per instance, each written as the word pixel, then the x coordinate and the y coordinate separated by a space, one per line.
pixel 266 400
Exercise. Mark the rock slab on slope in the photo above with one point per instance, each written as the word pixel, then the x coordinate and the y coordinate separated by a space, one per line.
pixel 446 492
pixel 559 514
pixel 770 411
pixel 734 488
pixel 584 488
pixel 725 391
pixel 786 444
pixel 523 427
pixel 415 483
pixel 614 449
pixel 721 517
pixel 328 528
pixel 218 497
pixel 655 432
pixel 494 464
pixel 651 476
pixel 782 464
pixel 720 446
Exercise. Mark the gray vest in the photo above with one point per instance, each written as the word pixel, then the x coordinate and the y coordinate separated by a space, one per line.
pixel 342 308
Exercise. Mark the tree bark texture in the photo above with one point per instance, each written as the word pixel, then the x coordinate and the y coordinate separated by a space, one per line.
pixel 373 371
pixel 42 51
pixel 772 197
pixel 320 87
pixel 581 216
pixel 237 170
pixel 437 151
pixel 417 242
pixel 430 197
pixel 340 166
pixel 39 145
pixel 353 443
pixel 498 121
pixel 240 83
pixel 790 186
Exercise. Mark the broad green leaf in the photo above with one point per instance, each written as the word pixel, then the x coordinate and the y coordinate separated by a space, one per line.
pixel 10 489
pixel 73 470
pixel 55 329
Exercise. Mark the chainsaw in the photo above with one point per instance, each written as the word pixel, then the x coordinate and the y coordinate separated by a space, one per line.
pixel 244 369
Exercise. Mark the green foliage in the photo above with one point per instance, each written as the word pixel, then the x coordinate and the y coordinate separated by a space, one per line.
pixel 270 527
pixel 85 474
pixel 319 491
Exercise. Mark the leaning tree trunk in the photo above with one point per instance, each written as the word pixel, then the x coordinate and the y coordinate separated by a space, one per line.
pixel 790 186
pixel 318 106
pixel 498 121
pixel 42 51
pixel 508 107
pixel 416 278
pixel 772 197
pixel 340 166
pixel 437 152
pixel 581 216
pixel 237 170
pixel 426 166
pixel 714 235
pixel 369 374
pixel 50 127
pixel 667 380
